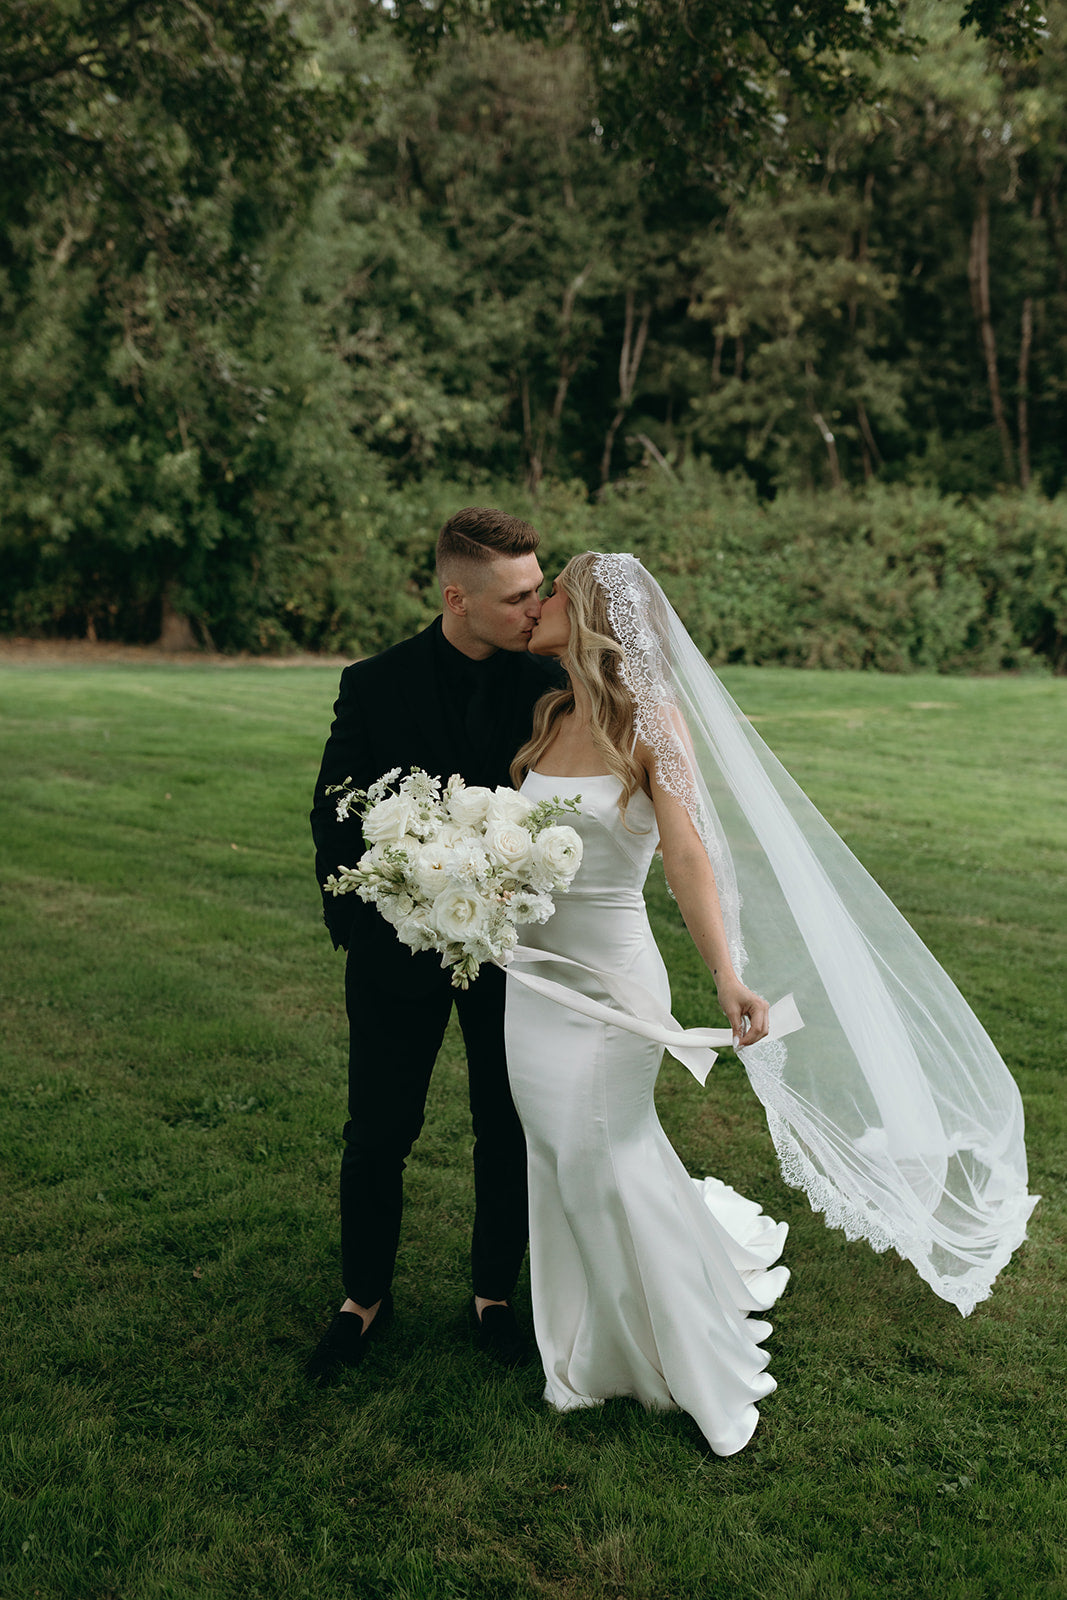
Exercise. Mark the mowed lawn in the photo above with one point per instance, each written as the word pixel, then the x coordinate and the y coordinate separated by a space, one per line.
pixel 172 1096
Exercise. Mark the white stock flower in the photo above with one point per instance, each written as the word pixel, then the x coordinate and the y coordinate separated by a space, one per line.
pixel 557 853
pixel 459 914
pixel 508 805
pixel 508 844
pixel 468 805
pixel 378 788
pixel 391 819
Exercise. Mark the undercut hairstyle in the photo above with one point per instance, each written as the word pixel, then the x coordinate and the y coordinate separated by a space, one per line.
pixel 477 535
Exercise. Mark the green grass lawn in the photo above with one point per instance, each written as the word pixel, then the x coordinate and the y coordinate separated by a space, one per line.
pixel 172 1094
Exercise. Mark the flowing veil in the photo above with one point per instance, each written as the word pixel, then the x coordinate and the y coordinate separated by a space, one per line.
pixel 891 1109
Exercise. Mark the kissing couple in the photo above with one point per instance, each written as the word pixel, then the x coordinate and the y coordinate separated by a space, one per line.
pixel 888 1105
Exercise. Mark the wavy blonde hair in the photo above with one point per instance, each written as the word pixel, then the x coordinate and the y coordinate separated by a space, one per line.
pixel 594 659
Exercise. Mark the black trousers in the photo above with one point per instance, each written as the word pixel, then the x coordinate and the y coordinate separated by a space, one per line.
pixel 394 1040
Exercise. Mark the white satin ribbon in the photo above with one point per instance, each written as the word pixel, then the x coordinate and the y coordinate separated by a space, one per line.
pixel 640 1011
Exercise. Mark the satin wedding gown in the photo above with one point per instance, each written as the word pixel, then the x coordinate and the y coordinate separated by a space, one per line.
pixel 641 1276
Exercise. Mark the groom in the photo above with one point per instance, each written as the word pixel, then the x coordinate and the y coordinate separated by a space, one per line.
pixel 456 698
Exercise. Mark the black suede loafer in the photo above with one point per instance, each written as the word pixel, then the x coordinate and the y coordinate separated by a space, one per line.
pixel 344 1344
pixel 498 1334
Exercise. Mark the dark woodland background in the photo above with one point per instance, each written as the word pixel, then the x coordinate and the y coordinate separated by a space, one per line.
pixel 775 297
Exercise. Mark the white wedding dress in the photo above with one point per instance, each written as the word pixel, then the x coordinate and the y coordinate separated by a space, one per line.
pixel 641 1277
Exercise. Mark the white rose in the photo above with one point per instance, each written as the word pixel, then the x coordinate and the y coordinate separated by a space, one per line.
pixel 448 834
pixel 468 806
pixel 508 805
pixel 558 853
pixel 459 914
pixel 391 819
pixel 508 844
pixel 430 869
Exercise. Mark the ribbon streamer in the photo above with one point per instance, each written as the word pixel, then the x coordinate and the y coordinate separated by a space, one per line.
pixel 640 1011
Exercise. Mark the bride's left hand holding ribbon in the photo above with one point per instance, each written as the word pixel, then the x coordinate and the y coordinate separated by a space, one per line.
pixel 747 1012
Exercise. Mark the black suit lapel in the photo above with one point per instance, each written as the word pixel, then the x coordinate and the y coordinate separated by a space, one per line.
pixel 420 705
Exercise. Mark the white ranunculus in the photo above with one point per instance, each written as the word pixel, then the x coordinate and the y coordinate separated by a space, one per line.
pixel 508 844
pixel 391 819
pixel 417 929
pixel 558 851
pixel 469 804
pixel 395 907
pixel 459 913
pixel 503 939
pixel 467 863
pixel 508 805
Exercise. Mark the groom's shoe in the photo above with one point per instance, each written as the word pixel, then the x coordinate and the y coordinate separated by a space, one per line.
pixel 344 1344
pixel 498 1334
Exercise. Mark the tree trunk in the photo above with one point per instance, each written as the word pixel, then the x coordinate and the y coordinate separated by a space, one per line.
pixel 831 447
pixel 541 450
pixel 870 443
pixel 534 469
pixel 1026 339
pixel 629 363
pixel 862 246
pixel 175 629
pixel 826 432
pixel 657 455
pixel 1055 232
pixel 978 272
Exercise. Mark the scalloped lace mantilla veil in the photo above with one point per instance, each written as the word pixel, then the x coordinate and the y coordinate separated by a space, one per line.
pixel 891 1109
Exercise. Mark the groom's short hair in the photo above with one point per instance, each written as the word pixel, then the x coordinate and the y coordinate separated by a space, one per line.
pixel 477 535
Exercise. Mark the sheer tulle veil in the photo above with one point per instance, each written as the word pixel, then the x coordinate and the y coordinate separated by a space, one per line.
pixel 891 1109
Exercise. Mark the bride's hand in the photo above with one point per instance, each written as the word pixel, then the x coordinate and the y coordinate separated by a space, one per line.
pixel 746 1012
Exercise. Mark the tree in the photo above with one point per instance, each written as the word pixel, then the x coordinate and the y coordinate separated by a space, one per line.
pixel 162 152
pixel 694 87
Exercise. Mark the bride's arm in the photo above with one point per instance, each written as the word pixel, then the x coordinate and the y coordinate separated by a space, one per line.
pixel 692 881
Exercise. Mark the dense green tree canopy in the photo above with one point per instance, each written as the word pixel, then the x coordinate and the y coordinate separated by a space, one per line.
pixel 270 275
pixel 702 87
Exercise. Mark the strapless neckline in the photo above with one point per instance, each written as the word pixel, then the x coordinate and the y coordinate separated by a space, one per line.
pixel 560 777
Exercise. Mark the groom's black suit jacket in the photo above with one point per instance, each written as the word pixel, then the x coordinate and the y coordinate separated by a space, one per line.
pixel 411 707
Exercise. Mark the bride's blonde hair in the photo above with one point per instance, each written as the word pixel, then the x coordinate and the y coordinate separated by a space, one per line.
pixel 594 659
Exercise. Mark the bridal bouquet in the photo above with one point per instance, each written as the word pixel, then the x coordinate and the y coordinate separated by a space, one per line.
pixel 457 870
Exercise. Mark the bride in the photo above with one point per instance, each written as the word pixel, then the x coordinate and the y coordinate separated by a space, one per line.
pixel 890 1108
